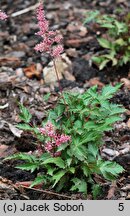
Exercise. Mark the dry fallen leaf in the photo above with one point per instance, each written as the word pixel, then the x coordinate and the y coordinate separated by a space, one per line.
pixel 126 82
pixel 13 129
pixel 6 150
pixel 111 192
pixel 32 71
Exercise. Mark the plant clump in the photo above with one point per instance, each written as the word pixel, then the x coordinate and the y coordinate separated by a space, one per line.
pixel 116 41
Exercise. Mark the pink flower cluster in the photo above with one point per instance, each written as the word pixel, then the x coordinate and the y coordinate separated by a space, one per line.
pixel 55 139
pixel 3 15
pixel 49 38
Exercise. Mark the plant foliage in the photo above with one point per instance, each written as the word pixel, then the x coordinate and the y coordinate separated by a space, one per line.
pixel 117 40
pixel 85 117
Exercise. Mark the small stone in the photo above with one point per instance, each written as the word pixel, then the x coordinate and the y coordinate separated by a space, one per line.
pixel 126 188
pixel 49 73
pixel 128 196
pixel 68 76
pixel 83 31
pixel 126 82
pixel 110 152
pixel 19 72
pixel 72 52
pixel 77 90
pixel 67 5
pixel 43 90
pixel 123 194
pixel 17 54
pixel 125 151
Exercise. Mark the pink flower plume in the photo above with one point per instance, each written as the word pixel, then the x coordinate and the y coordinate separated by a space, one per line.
pixel 51 40
pixel 3 15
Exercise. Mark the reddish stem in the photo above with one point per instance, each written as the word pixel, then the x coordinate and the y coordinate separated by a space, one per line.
pixel 57 75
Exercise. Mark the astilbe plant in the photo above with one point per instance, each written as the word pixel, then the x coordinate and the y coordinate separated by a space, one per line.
pixel 69 140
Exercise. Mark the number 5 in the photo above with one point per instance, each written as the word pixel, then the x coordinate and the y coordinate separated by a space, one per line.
pixel 121 207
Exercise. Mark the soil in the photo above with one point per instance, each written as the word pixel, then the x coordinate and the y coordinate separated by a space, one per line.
pixel 17 55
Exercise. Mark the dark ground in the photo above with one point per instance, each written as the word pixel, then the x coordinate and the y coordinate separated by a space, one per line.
pixel 21 80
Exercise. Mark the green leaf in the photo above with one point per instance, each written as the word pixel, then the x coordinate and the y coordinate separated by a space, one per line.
pixel 57 161
pixel 57 176
pixel 85 169
pixel 68 161
pixel 46 97
pixel 50 169
pixel 107 25
pixel 110 170
pixel 104 43
pixel 78 124
pixel 96 190
pixel 79 185
pixel 61 184
pixel 38 180
pixel 103 64
pixel 112 120
pixel 25 127
pixel 24 115
pixel 108 91
pixel 62 147
pixel 28 166
pixel 72 169
pixel 93 149
pixel 98 59
pixel 120 42
pixel 59 109
pixel 22 156
pixel 44 157
pixel 91 15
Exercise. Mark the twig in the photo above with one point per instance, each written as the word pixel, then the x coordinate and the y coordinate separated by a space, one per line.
pixel 26 10
pixel 47 192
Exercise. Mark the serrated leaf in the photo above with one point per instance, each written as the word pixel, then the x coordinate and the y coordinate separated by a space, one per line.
pixel 91 15
pixel 44 157
pixel 24 115
pixel 28 166
pixel 108 91
pixel 68 161
pixel 59 109
pixel 25 127
pixel 110 168
pixel 46 97
pixel 38 180
pixel 22 156
pixel 112 120
pixel 57 176
pixel 78 124
pixel 96 190
pixel 50 169
pixel 85 170
pixel 57 161
pixel 62 147
pixel 79 185
pixel 93 149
